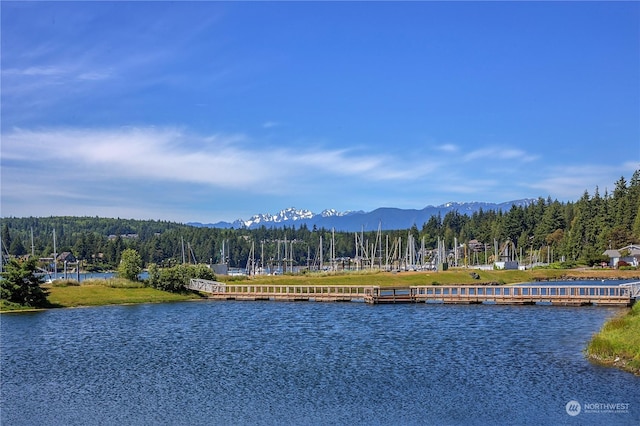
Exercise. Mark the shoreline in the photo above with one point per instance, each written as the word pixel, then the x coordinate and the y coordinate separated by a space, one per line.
pixel 617 343
pixel 617 362
pixel 100 295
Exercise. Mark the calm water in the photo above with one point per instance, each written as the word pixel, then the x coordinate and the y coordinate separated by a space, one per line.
pixel 307 363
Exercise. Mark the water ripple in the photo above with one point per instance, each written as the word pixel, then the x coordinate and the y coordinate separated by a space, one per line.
pixel 306 364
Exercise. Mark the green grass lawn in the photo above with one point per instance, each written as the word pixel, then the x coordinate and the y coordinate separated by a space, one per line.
pixel 94 295
pixel 618 342
pixel 114 291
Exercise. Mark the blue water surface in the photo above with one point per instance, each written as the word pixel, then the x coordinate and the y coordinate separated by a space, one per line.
pixel 306 363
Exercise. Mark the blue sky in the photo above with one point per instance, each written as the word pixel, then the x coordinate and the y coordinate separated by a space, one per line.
pixel 207 111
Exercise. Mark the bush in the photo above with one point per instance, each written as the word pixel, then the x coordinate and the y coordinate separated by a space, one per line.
pixel 130 265
pixel 176 278
pixel 627 268
pixel 593 259
pixel 569 264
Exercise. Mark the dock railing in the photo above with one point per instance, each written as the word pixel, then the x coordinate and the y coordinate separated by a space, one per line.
pixel 206 286
pixel 520 294
pixel 524 294
pixel 281 292
pixel 633 288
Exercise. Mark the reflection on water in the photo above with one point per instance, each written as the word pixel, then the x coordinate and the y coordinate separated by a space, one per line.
pixel 307 363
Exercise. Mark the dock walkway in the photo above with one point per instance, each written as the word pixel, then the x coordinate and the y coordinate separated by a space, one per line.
pixel 549 294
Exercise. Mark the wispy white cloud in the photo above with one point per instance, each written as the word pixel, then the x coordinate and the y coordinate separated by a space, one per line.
pixel 135 167
pixel 448 148
pixel 49 84
pixel 570 182
pixel 95 75
pixel 91 169
pixel 170 154
pixel 500 153
pixel 339 162
pixel 35 71
pixel 88 62
pixel 270 124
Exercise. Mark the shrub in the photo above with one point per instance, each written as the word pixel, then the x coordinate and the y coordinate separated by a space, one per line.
pixel 176 278
pixel 130 265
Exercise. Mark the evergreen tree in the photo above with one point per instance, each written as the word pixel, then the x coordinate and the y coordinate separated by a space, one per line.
pixel 621 213
pixel 636 226
pixel 17 248
pixel 514 223
pixel 634 204
pixel 81 247
pixel 19 284
pixel 599 226
pixel 6 237
pixel 576 238
pixel 431 230
pixel 552 220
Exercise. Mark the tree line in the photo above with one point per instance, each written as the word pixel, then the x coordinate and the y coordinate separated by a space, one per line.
pixel 578 231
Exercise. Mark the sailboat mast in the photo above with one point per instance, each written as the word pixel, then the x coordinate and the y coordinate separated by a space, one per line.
pixel 321 263
pixel 55 256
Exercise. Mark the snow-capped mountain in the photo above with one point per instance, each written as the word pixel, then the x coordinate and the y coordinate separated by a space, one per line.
pixel 287 215
pixel 385 218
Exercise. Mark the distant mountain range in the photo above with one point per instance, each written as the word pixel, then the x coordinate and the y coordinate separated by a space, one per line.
pixel 387 218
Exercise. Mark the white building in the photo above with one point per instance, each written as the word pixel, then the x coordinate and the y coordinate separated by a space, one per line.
pixel 629 254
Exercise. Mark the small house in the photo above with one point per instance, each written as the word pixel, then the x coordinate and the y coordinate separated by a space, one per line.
pixel 66 256
pixel 629 254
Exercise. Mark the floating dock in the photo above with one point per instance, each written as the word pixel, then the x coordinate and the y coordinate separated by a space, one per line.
pixel 563 295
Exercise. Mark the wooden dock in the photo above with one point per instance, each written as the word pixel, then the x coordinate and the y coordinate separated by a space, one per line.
pixel 222 291
pixel 549 294
pixel 563 295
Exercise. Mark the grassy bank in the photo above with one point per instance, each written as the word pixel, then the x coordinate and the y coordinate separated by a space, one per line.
pixel 618 342
pixel 97 292
pixel 96 295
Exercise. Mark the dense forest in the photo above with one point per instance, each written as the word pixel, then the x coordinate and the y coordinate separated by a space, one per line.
pixel 577 232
